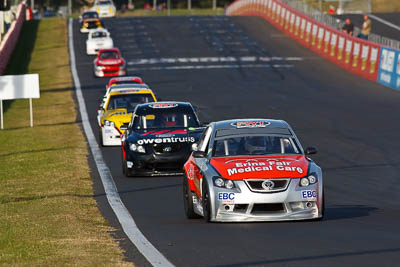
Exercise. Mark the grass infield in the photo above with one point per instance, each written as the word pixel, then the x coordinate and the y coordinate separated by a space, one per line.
pixel 48 214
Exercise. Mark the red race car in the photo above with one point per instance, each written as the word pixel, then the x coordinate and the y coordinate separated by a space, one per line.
pixel 124 80
pixel 109 62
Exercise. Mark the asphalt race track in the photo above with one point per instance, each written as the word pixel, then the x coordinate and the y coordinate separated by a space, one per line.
pixel 238 67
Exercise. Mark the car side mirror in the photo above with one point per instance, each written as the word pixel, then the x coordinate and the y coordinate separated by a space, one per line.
pixel 100 109
pixel 194 147
pixel 311 150
pixel 199 154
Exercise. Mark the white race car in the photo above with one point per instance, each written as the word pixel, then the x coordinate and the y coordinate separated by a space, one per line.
pixel 252 170
pixel 98 39
pixel 105 8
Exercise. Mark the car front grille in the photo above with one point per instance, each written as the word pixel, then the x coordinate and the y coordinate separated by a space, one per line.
pixel 167 148
pixel 268 208
pixel 108 71
pixel 124 126
pixel 275 185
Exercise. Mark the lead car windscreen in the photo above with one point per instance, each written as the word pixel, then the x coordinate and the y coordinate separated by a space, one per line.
pixel 128 101
pixel 254 145
pixel 165 118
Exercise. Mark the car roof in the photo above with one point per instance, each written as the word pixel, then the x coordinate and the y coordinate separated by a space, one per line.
pixel 98 30
pixel 121 91
pixel 232 124
pixel 165 104
pixel 125 78
pixel 89 11
pixel 252 126
pixel 109 49
pixel 92 19
pixel 129 85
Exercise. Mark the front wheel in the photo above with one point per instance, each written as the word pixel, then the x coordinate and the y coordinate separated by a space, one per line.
pixel 101 137
pixel 188 200
pixel 206 202
pixel 322 207
pixel 127 171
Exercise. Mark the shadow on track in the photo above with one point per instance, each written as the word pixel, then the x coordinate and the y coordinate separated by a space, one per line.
pixel 316 257
pixel 339 212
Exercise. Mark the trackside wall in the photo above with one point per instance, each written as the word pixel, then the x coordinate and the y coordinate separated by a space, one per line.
pixel 353 54
pixel 11 38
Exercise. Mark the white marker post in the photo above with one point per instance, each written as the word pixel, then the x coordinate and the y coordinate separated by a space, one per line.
pixel 19 87
pixel 1 114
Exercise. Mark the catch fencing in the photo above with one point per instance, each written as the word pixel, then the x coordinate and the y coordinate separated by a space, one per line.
pixel 338 23
pixel 356 55
pixel 11 38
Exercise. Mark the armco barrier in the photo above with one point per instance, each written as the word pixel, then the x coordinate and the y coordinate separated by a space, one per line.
pixel 356 55
pixel 11 38
pixel 389 68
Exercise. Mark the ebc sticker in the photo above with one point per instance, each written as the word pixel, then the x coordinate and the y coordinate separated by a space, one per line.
pixel 309 194
pixel 163 105
pixel 250 124
pixel 226 197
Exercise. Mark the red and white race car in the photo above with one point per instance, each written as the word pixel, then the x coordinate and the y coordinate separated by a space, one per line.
pixel 109 62
pixel 124 80
pixel 252 170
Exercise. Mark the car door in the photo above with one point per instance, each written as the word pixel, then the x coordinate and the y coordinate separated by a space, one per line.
pixel 199 164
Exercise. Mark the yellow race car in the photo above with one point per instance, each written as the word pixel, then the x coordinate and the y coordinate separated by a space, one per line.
pixel 91 24
pixel 116 113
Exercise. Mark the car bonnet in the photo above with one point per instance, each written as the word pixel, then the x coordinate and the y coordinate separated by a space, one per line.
pixel 262 167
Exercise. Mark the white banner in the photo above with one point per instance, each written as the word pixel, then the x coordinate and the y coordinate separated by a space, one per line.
pixel 19 86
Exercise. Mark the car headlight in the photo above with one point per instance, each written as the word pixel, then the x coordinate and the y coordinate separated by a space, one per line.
pixel 223 183
pixel 306 181
pixel 109 123
pixel 137 148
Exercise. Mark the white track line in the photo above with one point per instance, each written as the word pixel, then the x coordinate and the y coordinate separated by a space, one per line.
pixel 123 215
pixel 385 22
pixel 201 67
pixel 145 61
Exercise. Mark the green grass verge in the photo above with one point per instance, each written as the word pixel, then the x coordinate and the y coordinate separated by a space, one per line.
pixel 48 215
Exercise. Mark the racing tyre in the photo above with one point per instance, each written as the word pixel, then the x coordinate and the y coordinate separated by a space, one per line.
pixel 128 172
pixel 206 202
pixel 101 137
pixel 322 207
pixel 188 200
pixel 123 163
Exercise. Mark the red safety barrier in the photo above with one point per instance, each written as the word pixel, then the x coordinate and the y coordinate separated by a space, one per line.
pixel 356 55
pixel 11 38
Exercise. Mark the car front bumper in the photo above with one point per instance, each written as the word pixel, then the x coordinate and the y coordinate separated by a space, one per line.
pixel 294 203
pixel 109 71
pixel 153 164
pixel 111 136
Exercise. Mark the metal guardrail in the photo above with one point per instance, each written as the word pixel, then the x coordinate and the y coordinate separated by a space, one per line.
pixel 337 23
